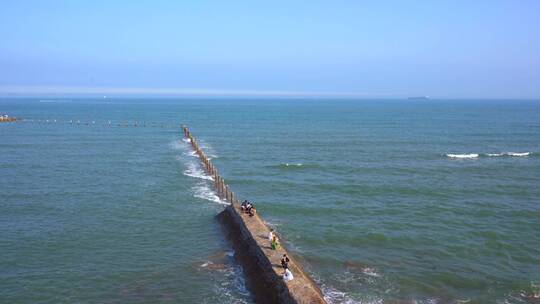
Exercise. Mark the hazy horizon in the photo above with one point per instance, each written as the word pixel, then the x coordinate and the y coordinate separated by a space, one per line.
pixel 28 92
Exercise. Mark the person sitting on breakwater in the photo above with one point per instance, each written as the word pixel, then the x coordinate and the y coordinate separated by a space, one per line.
pixel 244 205
pixel 287 275
pixel 275 243
pixel 249 205
pixel 252 211
pixel 285 262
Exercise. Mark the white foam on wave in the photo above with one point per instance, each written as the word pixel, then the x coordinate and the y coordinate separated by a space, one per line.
pixel 186 140
pixel 229 285
pixel 334 296
pixel 191 153
pixel 208 150
pixel 371 272
pixel 293 165
pixel 476 155
pixel 465 156
pixel 195 171
pixel 206 264
pixel 518 153
pixel 509 154
pixel 203 191
pixel 177 145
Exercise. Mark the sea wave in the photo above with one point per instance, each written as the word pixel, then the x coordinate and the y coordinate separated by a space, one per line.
pixel 334 296
pixel 518 153
pixel 463 156
pixel 177 145
pixel 191 153
pixel 509 154
pixel 371 272
pixel 230 285
pixel 208 150
pixel 195 171
pixel 203 191
pixel 293 166
pixel 477 155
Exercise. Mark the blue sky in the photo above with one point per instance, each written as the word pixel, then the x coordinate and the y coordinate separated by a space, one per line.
pixel 447 49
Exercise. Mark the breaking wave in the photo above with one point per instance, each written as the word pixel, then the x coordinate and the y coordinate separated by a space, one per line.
pixel 472 155
pixel 177 145
pixel 230 285
pixel 195 171
pixel 203 191
pixel 509 154
pixel 334 296
pixel 294 166
pixel 477 155
pixel 518 153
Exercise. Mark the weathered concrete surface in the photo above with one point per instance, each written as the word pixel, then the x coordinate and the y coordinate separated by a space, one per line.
pixel 261 264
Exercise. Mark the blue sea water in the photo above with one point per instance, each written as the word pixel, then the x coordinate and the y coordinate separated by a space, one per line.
pixel 383 201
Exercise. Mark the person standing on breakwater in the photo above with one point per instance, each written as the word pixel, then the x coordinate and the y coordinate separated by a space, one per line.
pixel 271 235
pixel 285 262
pixel 275 243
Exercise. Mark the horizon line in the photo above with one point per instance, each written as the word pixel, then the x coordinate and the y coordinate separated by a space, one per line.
pixel 172 92
pixel 10 91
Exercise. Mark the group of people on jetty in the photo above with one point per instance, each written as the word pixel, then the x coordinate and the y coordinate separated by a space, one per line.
pixel 274 243
pixel 248 208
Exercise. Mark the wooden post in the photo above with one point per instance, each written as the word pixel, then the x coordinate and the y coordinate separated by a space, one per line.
pixel 220 186
pixel 223 189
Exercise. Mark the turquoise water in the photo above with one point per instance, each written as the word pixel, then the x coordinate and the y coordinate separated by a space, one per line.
pixel 383 201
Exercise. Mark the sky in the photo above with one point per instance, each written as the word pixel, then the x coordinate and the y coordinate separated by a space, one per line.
pixel 445 49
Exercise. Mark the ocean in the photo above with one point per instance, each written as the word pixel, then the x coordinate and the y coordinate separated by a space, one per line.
pixel 383 201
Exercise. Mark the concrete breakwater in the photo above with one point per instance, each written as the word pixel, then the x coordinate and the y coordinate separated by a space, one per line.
pixel 249 236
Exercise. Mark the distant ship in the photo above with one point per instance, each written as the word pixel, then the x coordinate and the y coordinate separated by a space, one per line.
pixel 418 98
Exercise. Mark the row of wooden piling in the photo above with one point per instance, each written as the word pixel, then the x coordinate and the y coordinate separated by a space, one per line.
pixel 222 189
pixel 94 123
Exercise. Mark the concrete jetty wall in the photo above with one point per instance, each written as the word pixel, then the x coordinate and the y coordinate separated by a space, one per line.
pixel 260 263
